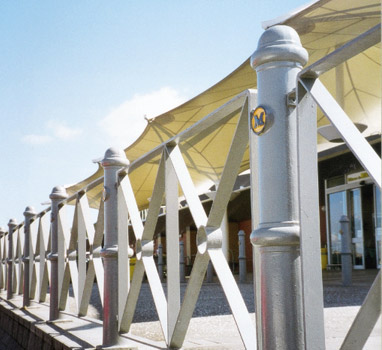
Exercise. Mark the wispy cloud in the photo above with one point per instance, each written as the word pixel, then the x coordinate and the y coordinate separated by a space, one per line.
pixel 33 139
pixel 54 130
pixel 63 132
pixel 125 123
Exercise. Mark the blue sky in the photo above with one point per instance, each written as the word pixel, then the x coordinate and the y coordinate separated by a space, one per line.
pixel 77 77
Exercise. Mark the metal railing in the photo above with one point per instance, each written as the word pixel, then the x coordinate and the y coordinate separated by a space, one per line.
pixel 46 253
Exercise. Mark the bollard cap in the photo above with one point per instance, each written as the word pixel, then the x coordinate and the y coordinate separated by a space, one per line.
pixel 115 157
pixel 12 224
pixel 58 193
pixel 29 212
pixel 2 231
pixel 344 218
pixel 279 43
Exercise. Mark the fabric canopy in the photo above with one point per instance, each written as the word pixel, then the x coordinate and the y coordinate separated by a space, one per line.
pixel 323 26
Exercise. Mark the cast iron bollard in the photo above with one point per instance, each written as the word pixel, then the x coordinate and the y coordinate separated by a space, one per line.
pixel 58 194
pixel 278 59
pixel 3 270
pixel 181 262
pixel 242 257
pixel 160 261
pixel 346 258
pixel 114 161
pixel 29 214
pixel 12 224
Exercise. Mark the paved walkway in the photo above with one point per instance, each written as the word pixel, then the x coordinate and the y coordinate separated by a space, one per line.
pixel 212 326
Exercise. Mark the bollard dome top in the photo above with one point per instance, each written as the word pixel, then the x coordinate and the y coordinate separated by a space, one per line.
pixel 12 223
pixel 279 43
pixel 2 231
pixel 115 157
pixel 29 211
pixel 58 192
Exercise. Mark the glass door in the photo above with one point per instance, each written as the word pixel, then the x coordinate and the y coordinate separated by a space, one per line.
pixel 356 227
pixel 337 207
pixel 377 224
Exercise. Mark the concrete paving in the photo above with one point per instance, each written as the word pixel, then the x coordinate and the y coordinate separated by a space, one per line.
pixel 212 326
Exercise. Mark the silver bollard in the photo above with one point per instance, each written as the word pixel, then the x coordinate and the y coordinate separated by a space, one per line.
pixel 346 257
pixel 160 261
pixel 12 224
pixel 182 272
pixel 242 258
pixel 114 161
pixel 279 318
pixel 58 194
pixel 3 270
pixel 29 213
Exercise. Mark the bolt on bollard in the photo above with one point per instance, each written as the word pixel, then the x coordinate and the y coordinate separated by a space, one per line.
pixel 58 194
pixel 12 224
pixel 346 254
pixel 278 60
pixel 29 214
pixel 114 161
pixel 182 273
pixel 242 258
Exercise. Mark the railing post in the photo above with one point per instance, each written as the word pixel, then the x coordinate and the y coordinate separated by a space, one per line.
pixel 12 224
pixel 3 270
pixel 242 257
pixel 182 271
pixel 113 162
pixel 278 59
pixel 346 258
pixel 57 195
pixel 29 213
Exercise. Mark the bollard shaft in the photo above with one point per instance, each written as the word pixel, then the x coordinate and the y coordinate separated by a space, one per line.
pixel 11 228
pixel 57 195
pixel 29 213
pixel 242 257
pixel 113 162
pixel 182 272
pixel 346 255
pixel 277 60
pixel 160 261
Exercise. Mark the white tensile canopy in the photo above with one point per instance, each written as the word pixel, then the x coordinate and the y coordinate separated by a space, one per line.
pixel 323 26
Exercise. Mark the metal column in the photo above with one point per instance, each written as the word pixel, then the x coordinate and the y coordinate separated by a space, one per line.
pixel 277 60
pixel 114 161
pixel 29 213
pixel 12 224
pixel 57 195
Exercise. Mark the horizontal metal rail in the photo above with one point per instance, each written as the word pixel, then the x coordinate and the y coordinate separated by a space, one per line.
pixel 352 48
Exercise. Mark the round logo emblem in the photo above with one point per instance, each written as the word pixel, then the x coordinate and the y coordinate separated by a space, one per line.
pixel 258 120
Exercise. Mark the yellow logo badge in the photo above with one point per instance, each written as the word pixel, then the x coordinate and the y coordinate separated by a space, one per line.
pixel 258 120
